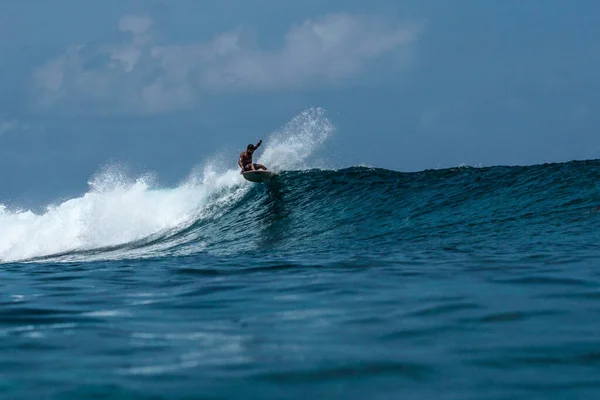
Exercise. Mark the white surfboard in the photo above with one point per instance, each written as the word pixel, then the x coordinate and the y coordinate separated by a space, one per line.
pixel 258 176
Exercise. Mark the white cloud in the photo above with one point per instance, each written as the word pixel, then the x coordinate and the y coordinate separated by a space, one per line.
pixel 139 75
pixel 130 53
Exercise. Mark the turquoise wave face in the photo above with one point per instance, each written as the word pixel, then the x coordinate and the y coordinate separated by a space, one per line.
pixel 521 210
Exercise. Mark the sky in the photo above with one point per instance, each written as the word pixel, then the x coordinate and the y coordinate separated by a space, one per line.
pixel 409 85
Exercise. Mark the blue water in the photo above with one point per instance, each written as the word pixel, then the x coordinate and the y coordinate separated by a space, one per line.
pixel 360 283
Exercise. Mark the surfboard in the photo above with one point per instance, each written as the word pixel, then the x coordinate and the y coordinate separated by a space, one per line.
pixel 258 176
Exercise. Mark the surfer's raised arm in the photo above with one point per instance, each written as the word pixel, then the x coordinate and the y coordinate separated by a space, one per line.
pixel 258 144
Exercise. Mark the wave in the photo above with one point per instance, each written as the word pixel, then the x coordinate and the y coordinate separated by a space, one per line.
pixel 310 211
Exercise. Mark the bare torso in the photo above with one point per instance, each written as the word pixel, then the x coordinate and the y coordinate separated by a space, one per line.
pixel 246 158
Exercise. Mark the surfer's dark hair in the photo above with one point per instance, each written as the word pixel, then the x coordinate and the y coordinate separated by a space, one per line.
pixel 250 147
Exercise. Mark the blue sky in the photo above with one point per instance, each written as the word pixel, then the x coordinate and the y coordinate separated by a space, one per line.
pixel 409 85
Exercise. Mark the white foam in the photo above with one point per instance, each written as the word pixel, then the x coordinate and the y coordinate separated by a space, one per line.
pixel 118 209
pixel 109 214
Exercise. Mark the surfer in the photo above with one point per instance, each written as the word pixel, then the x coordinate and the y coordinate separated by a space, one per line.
pixel 245 161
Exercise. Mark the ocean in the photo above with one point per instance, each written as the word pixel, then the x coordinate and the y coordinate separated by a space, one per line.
pixel 349 283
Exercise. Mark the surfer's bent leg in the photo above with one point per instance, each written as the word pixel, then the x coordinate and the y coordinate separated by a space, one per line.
pixel 260 166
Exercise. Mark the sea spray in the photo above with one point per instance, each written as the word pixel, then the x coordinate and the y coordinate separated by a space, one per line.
pixel 292 146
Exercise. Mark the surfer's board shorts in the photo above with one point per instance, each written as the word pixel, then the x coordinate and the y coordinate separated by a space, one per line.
pixel 247 167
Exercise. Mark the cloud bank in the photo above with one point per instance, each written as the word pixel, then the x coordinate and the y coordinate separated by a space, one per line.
pixel 139 75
